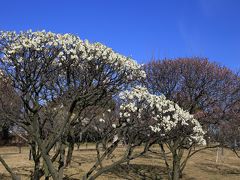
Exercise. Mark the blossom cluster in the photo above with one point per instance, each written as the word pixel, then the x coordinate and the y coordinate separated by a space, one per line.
pixel 65 48
pixel 3 77
pixel 164 116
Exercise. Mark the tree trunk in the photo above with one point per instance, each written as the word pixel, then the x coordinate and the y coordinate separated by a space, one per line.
pixel 19 149
pixel 217 157
pixel 37 173
pixel 70 152
pixel 166 161
pixel 30 154
pixel 50 166
pixel 44 150
pixel 176 166
pixel 5 134
pixel 78 146
pixel 61 161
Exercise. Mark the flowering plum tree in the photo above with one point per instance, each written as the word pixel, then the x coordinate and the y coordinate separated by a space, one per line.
pixel 175 127
pixel 147 119
pixel 47 68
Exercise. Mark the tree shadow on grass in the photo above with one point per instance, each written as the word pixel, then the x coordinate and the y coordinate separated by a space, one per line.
pixel 223 169
pixel 10 153
pixel 70 177
pixel 139 171
pixel 81 159
pixel 23 172
pixel 4 177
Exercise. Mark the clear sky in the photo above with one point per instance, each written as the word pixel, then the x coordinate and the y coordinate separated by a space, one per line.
pixel 139 28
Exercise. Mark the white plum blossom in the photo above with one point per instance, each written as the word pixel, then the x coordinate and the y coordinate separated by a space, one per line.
pixel 114 126
pixel 126 114
pixel 164 116
pixel 67 47
pixel 115 138
pixel 101 120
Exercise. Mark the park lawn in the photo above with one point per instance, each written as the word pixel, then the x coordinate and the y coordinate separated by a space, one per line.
pixel 201 166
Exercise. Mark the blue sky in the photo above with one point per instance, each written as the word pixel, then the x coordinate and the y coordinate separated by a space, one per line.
pixel 139 28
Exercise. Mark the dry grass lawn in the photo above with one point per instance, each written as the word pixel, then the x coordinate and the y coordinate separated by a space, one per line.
pixel 202 166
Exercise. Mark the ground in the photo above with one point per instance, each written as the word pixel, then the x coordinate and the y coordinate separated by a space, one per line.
pixel 202 166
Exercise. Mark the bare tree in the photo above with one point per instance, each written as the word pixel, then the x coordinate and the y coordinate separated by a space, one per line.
pixel 10 107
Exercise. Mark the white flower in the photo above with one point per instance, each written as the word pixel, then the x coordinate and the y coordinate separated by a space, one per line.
pixel 168 116
pixel 101 120
pixel 124 124
pixel 115 138
pixel 126 114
